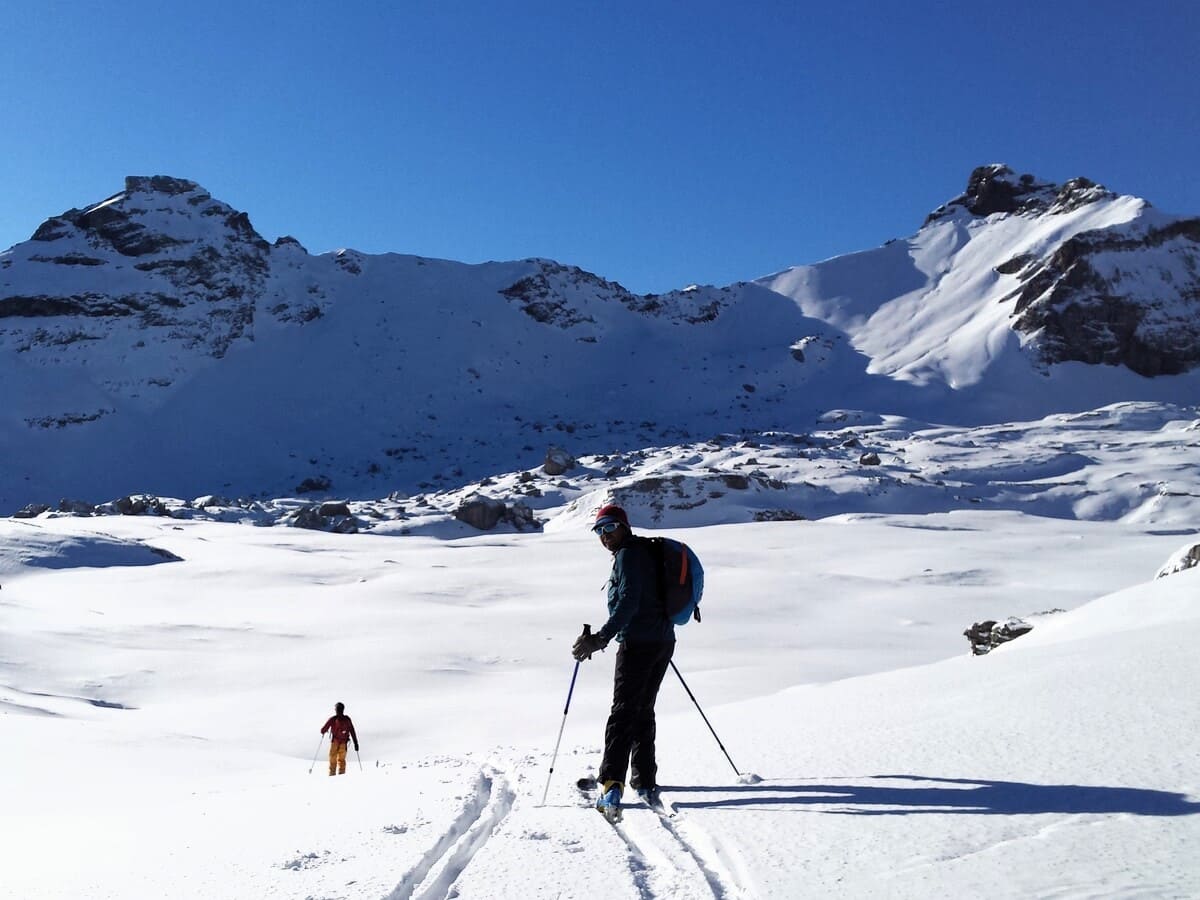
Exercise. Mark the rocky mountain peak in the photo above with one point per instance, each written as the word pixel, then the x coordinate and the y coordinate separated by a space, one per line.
pixel 161 256
pixel 1119 292
pixel 152 214
pixel 160 184
pixel 996 188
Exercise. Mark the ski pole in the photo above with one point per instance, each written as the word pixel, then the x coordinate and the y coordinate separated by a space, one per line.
pixel 318 753
pixel 586 630
pixel 704 717
pixel 359 758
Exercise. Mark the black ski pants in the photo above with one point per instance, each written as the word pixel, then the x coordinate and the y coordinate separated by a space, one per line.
pixel 629 735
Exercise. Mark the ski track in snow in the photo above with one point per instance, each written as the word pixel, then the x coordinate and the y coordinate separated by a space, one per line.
pixel 434 876
pixel 710 859
pixel 666 862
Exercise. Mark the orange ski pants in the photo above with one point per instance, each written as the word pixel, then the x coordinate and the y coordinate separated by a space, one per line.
pixel 337 757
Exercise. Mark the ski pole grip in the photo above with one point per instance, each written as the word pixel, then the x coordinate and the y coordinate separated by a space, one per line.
pixel 587 629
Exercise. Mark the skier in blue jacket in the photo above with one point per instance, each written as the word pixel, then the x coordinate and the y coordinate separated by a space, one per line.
pixel 638 622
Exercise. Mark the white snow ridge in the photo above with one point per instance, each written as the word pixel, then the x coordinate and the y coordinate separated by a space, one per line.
pixel 869 454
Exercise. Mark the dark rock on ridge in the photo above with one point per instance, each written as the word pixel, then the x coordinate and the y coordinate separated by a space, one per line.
pixel 996 188
pixel 1118 298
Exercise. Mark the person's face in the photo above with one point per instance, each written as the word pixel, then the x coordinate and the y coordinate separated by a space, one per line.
pixel 612 538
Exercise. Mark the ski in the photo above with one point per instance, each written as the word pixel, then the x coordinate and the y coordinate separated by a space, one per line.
pixel 662 808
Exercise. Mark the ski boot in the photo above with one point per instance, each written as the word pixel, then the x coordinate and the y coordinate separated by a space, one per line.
pixel 609 803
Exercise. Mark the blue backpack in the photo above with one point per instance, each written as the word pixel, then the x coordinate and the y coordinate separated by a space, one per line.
pixel 680 579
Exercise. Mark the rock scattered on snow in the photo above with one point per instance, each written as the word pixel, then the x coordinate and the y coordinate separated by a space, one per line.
pixel 987 635
pixel 1184 558
pixel 558 461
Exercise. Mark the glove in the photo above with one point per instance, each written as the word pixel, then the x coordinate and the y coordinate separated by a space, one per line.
pixel 587 644
pixel 356 748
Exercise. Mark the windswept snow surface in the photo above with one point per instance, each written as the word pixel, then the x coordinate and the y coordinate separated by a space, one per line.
pixel 161 720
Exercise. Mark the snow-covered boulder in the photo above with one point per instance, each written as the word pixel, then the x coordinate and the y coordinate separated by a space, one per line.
pixel 483 513
pixel 986 636
pixel 558 461
pixel 1182 559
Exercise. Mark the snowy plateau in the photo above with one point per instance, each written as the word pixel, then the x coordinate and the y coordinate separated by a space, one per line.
pixel 243 482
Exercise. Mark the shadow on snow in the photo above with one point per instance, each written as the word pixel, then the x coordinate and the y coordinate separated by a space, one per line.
pixel 975 796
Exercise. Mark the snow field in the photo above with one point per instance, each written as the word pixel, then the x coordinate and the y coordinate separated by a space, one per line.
pixel 830 663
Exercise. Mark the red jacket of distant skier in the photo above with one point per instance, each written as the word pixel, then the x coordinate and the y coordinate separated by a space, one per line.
pixel 340 729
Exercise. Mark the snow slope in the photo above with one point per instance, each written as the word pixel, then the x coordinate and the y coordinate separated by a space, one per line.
pixel 163 719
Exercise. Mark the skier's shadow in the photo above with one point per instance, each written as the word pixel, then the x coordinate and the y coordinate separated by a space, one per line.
pixel 970 796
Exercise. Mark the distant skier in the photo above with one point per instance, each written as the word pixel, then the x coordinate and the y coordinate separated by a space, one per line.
pixel 637 620
pixel 341 732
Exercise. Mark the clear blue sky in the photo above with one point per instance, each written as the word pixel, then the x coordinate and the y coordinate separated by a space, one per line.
pixel 654 143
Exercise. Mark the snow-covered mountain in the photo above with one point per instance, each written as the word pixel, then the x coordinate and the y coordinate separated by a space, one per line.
pixel 155 342
pixel 869 454
pixel 1017 267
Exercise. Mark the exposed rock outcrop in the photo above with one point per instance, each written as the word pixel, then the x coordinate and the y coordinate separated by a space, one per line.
pixel 988 635
pixel 335 518
pixel 1126 297
pixel 558 461
pixel 485 513
pixel 996 188
pixel 561 296
pixel 1187 557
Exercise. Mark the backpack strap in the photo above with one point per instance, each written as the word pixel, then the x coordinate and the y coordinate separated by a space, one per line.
pixel 657 553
